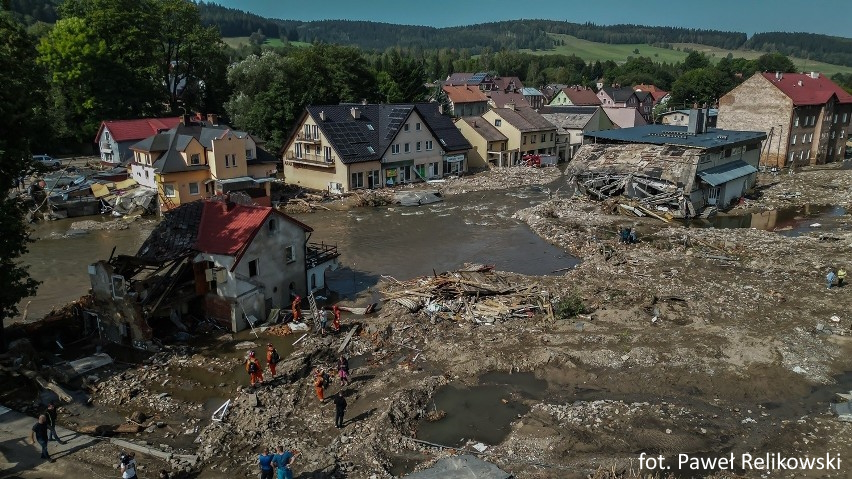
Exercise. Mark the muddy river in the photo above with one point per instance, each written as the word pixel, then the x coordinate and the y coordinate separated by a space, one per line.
pixel 397 241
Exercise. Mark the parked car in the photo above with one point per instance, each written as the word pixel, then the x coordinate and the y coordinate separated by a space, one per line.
pixel 47 161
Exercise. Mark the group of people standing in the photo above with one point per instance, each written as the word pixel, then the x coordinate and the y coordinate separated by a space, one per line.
pixel 44 430
pixel 254 368
pixel 322 323
pixel 278 465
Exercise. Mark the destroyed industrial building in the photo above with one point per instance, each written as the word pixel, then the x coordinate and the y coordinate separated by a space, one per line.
pixel 665 170
pixel 213 264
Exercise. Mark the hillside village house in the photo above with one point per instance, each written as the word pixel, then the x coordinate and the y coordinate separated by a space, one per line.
pixel 214 260
pixel 681 117
pixel 626 97
pixel 465 100
pixel 115 137
pixel 197 160
pixel 576 96
pixel 571 123
pixel 679 169
pixel 490 147
pixel 806 115
pixel 527 132
pixel 341 148
pixel 482 80
pixel 658 96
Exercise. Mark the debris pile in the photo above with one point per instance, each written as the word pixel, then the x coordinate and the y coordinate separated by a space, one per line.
pixel 498 178
pixel 475 294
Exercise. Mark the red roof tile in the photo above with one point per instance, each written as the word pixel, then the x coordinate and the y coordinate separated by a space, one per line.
pixel 130 130
pixel 803 89
pixel 230 231
pixel 464 94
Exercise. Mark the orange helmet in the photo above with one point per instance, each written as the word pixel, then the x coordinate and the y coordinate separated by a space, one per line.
pixel 251 354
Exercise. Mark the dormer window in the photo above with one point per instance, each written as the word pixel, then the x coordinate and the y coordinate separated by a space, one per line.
pixel 195 159
pixel 369 127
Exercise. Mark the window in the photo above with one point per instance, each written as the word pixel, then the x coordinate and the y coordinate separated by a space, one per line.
pixel 808 155
pixel 532 138
pixel 551 136
pixel 844 118
pixel 524 139
pixel 417 126
pixel 544 137
pixel 146 174
pixel 796 121
pixel 394 149
pixel 307 131
pixel 248 154
pixel 193 188
pixel 408 147
pixel 792 154
pixel 432 168
pixel 290 254
pixel 273 225
pixel 316 132
pixel 498 122
pixel 253 268
pixel 169 190
pixel 194 159
pixel 357 180
pixel 793 140
pixel 428 145
pixel 835 118
pixel 405 127
pixel 418 146
pixel 328 154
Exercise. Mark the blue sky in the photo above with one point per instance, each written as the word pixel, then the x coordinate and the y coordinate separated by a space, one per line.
pixel 831 17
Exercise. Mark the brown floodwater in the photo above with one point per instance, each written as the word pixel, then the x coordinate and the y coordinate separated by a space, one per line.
pixel 402 242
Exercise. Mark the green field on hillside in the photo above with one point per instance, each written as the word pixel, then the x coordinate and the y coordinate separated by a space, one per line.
pixel 592 51
pixel 237 42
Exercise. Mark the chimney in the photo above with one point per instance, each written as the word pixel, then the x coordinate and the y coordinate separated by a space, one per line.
pixel 814 75
pixel 800 83
pixel 510 105
pixel 213 119
pixel 363 101
pixel 779 75
pixel 185 120
pixel 322 115
pixel 356 113
pixel 696 122
pixel 474 123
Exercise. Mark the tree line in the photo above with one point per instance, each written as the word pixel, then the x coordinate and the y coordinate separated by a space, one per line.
pixel 824 48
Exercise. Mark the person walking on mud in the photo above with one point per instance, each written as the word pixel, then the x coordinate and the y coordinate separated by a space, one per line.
pixel 51 423
pixel 830 277
pixel 319 384
pixel 343 370
pixel 335 311
pixel 272 358
pixel 323 321
pixel 254 369
pixel 339 410
pixel 296 306
pixel 841 277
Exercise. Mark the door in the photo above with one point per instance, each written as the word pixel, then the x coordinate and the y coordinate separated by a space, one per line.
pixel 713 196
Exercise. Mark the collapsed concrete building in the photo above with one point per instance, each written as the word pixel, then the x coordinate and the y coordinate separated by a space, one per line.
pixel 664 169
pixel 213 264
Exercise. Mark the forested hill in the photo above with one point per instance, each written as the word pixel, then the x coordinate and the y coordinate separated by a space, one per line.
pixel 813 46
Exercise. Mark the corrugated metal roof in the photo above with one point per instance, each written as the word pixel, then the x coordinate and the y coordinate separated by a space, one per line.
pixel 724 173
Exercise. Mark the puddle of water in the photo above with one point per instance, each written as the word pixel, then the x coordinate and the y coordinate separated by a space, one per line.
pixel 405 462
pixel 483 413
pixel 790 221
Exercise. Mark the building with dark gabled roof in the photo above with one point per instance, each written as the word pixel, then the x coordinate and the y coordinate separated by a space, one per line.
pixel 341 148
pixel 806 116
pixel 575 96
pixel 197 159
pixel 527 132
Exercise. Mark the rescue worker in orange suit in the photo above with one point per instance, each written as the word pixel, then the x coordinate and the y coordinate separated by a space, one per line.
pixel 254 369
pixel 336 322
pixel 297 309
pixel 272 358
pixel 319 383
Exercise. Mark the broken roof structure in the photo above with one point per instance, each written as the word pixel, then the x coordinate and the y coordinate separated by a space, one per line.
pixel 668 169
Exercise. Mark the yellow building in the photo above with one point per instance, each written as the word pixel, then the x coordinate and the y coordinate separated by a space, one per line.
pixel 340 148
pixel 489 145
pixel 197 160
pixel 526 131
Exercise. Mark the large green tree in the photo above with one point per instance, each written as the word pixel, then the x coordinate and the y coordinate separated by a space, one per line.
pixel 20 106
pixel 702 85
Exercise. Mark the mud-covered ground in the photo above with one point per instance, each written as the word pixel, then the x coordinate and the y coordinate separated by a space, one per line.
pixel 696 340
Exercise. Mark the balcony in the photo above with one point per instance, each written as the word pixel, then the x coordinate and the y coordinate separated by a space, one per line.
pixel 319 253
pixel 311 159
pixel 303 138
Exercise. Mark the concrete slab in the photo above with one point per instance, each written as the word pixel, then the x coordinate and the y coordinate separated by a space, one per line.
pixel 843 411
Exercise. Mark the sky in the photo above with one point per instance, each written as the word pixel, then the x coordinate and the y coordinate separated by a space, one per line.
pixel 830 17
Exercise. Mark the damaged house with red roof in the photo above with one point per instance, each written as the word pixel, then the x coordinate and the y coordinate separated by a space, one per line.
pixel 115 137
pixel 208 264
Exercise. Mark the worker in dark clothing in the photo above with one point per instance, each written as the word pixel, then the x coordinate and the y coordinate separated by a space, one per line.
pixel 339 409
pixel 51 423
